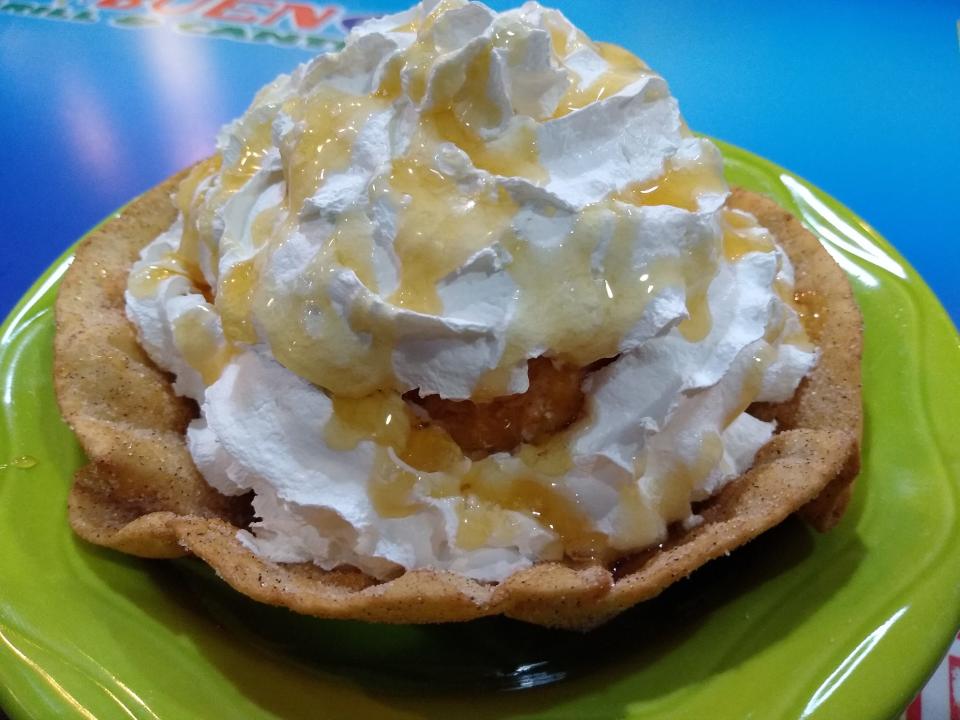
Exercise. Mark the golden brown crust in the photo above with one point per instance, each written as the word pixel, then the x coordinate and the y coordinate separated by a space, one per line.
pixel 830 398
pixel 141 493
pixel 122 407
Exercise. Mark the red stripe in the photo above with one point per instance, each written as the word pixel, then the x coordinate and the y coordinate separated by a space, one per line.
pixel 915 711
pixel 954 670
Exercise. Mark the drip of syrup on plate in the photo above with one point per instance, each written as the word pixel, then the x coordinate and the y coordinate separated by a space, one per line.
pixel 21 462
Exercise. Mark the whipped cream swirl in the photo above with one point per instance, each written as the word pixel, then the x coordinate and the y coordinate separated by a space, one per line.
pixel 454 194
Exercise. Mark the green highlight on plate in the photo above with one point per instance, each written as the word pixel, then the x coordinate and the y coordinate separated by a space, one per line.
pixel 795 625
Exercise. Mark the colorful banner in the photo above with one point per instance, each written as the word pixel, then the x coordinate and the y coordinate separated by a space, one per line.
pixel 940 698
pixel 316 27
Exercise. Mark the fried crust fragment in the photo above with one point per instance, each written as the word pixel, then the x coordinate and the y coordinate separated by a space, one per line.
pixel 141 494
pixel 552 402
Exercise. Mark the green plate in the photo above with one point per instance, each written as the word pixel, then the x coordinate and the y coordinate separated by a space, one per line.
pixel 844 625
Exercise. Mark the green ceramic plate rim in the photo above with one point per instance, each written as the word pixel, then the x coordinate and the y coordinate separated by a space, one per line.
pixel 925 655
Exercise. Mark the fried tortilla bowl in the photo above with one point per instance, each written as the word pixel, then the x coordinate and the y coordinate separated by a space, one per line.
pixel 141 494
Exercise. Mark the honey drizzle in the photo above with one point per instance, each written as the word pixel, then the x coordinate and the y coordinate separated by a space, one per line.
pixel 305 331
pixel 438 230
pixel 145 281
pixel 679 186
pixel 810 308
pixel 331 121
pixel 625 68
pixel 681 477
pixel 420 56
pixel 234 300
pixel 533 489
pixel 752 382
pixel 439 468
pixel 512 154
pixel 384 418
pixel 591 309
pixel 189 202
pixel 489 493
pixel 390 487
pixel 431 243
pixel 258 142
pixel 21 462
pixel 199 345
pixel 742 234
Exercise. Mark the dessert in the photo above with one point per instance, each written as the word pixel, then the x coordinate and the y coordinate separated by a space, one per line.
pixel 458 321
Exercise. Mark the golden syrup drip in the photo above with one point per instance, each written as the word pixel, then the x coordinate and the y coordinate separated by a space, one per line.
pixel 145 282
pixel 309 336
pixel 578 325
pixel 199 212
pixel 811 309
pixel 199 346
pixel 419 58
pixel 390 82
pixel 699 321
pixel 382 417
pixel 490 493
pixel 752 383
pixel 431 449
pixel 197 207
pixel 438 230
pixel 187 199
pixel 679 478
pixel 421 55
pixel 21 462
pixel 235 290
pixel 385 419
pixel 679 186
pixel 390 487
pixel 351 246
pixel 495 382
pixel 441 470
pixel 468 109
pixel 558 40
pixel 742 234
pixel 809 314
pixel 331 122
pixel 305 331
pixel 591 311
pixel 442 7
pixel 552 459
pixel 478 522
pixel 261 229
pixel 187 190
pixel 257 142
pixel 234 299
pixel 682 187
pixel 410 27
pixel 625 68
pixel 512 154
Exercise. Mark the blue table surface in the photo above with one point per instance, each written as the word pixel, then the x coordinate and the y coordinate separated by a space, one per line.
pixel 861 98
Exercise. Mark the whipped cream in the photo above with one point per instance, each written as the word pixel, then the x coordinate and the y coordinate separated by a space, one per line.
pixel 453 194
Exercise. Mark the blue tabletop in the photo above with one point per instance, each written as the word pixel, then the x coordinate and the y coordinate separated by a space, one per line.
pixel 101 99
